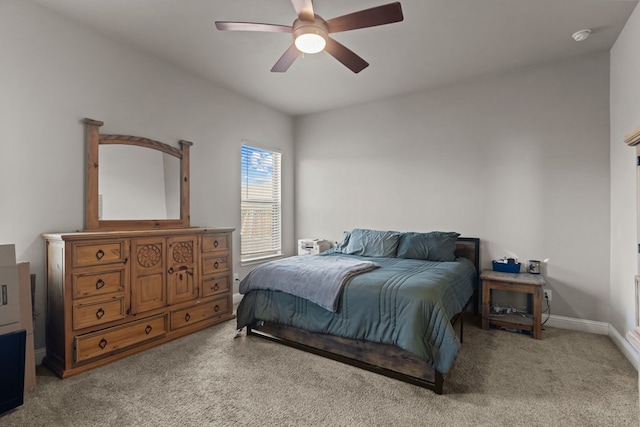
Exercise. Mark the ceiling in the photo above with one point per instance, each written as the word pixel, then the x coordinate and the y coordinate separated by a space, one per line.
pixel 438 43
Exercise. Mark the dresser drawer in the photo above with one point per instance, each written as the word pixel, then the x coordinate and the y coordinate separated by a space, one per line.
pixel 197 313
pixel 104 282
pixel 216 285
pixel 99 312
pixel 108 340
pixel 215 242
pixel 215 264
pixel 102 253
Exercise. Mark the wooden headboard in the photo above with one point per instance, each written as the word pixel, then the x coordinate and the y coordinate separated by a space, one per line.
pixel 469 248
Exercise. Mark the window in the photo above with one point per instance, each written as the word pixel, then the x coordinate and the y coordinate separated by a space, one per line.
pixel 260 231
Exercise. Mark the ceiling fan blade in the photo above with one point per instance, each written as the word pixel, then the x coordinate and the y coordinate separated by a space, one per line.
pixel 304 9
pixel 253 26
pixel 346 56
pixel 286 60
pixel 380 15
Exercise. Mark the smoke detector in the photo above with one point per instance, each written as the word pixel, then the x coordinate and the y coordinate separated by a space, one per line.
pixel 581 35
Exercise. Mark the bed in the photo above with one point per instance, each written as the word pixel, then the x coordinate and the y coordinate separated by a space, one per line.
pixel 396 319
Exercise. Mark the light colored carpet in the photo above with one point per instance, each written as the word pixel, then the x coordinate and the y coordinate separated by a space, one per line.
pixel 211 379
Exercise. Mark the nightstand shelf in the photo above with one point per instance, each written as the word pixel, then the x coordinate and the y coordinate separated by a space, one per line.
pixel 530 284
pixel 511 319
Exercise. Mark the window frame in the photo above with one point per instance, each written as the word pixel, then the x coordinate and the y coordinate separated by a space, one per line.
pixel 276 202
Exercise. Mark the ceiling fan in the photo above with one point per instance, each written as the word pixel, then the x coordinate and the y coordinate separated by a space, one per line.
pixel 311 32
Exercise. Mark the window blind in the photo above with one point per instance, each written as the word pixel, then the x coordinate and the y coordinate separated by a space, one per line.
pixel 260 231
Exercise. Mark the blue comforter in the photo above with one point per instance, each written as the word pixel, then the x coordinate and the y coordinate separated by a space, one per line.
pixel 408 303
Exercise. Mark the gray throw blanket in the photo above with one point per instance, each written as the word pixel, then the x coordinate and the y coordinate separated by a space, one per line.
pixel 317 278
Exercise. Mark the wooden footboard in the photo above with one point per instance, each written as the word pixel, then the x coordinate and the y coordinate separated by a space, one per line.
pixel 383 359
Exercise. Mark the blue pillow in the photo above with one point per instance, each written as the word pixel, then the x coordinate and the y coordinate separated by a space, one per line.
pixel 374 243
pixel 432 246
pixel 413 246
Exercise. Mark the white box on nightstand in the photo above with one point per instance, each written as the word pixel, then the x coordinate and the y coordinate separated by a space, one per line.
pixel 312 246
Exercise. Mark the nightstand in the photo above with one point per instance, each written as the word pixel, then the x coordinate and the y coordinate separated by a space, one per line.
pixel 513 282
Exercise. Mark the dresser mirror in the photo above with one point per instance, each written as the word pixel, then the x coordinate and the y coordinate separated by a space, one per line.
pixel 134 182
pixel 137 183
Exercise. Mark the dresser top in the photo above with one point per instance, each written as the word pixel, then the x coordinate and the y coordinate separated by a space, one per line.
pixel 90 235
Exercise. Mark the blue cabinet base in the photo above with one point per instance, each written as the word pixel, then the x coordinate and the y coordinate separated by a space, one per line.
pixel 12 370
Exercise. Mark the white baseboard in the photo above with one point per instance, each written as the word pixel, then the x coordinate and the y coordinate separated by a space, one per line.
pixel 625 347
pixel 574 324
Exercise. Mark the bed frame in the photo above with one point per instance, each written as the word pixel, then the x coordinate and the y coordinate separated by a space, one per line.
pixel 384 359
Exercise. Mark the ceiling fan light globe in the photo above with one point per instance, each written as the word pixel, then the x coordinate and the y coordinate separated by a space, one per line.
pixel 310 43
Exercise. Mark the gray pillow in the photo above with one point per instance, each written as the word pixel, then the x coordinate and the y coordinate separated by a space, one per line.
pixel 432 246
pixel 374 243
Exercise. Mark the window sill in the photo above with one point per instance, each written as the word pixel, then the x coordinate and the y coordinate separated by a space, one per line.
pixel 260 260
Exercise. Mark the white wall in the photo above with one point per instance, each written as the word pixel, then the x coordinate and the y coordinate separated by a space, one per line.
pixel 625 117
pixel 54 73
pixel 520 160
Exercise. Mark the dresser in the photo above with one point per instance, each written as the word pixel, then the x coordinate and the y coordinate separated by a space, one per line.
pixel 111 294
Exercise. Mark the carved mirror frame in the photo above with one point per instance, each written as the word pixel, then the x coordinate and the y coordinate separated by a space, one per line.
pixel 93 141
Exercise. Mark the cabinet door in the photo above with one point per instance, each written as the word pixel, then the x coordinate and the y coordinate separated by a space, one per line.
pixel 148 290
pixel 182 268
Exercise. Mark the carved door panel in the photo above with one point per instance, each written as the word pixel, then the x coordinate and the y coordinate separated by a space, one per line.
pixel 182 268
pixel 148 290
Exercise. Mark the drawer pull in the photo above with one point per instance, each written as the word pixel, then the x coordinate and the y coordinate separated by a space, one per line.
pixel 100 313
pixel 187 317
pixel 216 287
pixel 215 243
pixel 171 270
pixel 216 265
pixel 100 254
pixel 102 344
pixel 147 330
pixel 99 284
pixel 216 308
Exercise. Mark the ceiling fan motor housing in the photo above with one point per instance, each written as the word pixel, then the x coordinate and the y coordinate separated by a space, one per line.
pixel 317 27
